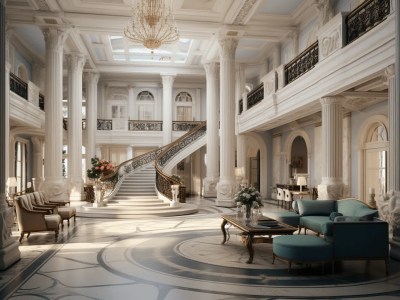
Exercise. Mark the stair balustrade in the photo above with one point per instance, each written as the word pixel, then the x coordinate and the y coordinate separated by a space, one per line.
pixel 163 180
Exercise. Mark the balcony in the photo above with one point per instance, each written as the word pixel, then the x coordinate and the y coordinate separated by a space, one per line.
pixel 342 54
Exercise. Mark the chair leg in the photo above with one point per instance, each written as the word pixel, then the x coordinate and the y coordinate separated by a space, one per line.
pixel 68 222
pixel 28 235
pixel 56 234
pixel 22 236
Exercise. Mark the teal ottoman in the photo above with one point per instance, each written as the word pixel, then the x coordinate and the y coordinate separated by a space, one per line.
pixel 302 248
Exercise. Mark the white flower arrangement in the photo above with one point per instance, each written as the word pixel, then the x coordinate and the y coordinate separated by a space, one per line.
pixel 247 196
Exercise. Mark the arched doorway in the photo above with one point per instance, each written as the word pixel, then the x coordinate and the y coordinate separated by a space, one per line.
pixel 374 146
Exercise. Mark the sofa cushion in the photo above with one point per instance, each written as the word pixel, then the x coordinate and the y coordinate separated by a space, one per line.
pixel 355 208
pixel 286 217
pixel 334 214
pixel 315 223
pixel 316 207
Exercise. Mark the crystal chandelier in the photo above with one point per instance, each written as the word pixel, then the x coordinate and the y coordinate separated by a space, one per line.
pixel 152 24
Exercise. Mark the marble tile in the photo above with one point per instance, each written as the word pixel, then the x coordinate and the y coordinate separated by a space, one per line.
pixel 177 258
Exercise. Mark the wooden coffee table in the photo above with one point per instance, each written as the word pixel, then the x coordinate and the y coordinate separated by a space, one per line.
pixel 253 234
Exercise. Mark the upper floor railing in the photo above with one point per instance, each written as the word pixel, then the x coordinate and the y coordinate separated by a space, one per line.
pixel 365 17
pixel 26 90
pixel 359 21
pixel 303 63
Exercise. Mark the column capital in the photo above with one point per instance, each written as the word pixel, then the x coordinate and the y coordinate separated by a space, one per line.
pixel 332 100
pixel 389 71
pixel 76 60
pixel 54 37
pixel 168 79
pixel 92 77
pixel 227 47
pixel 211 68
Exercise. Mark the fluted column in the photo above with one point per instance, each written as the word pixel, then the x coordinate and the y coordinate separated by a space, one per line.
pixel 131 103
pixel 92 80
pixel 226 185
pixel 76 62
pixel 37 143
pixel 241 176
pixel 332 145
pixel 394 142
pixel 9 251
pixel 54 184
pixel 167 81
pixel 212 104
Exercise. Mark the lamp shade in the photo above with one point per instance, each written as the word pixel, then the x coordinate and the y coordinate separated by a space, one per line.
pixel 301 180
pixel 12 182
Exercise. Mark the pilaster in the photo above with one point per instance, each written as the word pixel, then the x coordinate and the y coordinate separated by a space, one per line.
pixel 76 62
pixel 226 187
pixel 331 186
pixel 9 251
pixel 167 81
pixel 54 184
pixel 210 182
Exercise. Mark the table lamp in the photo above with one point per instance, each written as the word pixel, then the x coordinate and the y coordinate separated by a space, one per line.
pixel 12 183
pixel 301 180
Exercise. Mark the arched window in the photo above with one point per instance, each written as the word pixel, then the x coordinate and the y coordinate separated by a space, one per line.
pixel 184 104
pixel 145 105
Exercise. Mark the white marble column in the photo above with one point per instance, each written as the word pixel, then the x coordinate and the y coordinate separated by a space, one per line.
pixel 331 186
pixel 167 81
pixel 226 186
pixel 9 251
pixel 212 104
pixel 54 184
pixel 394 145
pixel 241 139
pixel 37 171
pixel 131 103
pixel 92 80
pixel 76 63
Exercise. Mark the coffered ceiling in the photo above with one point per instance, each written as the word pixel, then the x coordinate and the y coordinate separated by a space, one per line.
pixel 96 29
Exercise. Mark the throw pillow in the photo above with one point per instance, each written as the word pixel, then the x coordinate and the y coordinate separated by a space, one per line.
pixel 333 215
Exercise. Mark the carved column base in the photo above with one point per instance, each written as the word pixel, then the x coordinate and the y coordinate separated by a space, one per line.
pixel 330 189
pixel 395 241
pixel 209 187
pixel 9 251
pixel 55 188
pixel 76 189
pixel 9 255
pixel 226 190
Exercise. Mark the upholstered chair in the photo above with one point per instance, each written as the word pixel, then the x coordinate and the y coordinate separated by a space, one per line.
pixel 30 220
pixel 280 196
pixel 65 212
pixel 288 199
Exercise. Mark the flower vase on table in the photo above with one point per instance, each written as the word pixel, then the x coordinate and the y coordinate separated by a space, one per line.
pixel 248 197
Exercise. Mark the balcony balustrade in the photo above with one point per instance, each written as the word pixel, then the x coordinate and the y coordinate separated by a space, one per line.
pixel 26 90
pixel 362 19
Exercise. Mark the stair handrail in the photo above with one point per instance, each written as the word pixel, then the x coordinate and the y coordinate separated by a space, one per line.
pixel 164 180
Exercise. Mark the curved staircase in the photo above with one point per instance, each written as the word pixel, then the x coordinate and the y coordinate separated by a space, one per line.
pixel 135 184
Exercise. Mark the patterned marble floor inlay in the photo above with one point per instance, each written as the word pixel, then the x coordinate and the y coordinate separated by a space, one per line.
pixel 178 258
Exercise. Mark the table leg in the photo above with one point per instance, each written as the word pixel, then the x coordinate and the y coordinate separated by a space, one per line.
pixel 249 245
pixel 224 222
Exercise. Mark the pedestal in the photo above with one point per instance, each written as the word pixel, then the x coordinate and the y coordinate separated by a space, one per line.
pixel 225 192
pixel 330 191
pixel 175 192
pixel 210 187
pixel 9 251
pixel 98 199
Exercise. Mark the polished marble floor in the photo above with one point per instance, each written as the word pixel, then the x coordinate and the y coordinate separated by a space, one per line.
pixel 177 258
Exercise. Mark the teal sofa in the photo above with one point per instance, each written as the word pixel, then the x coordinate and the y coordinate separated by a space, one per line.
pixel 349 225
